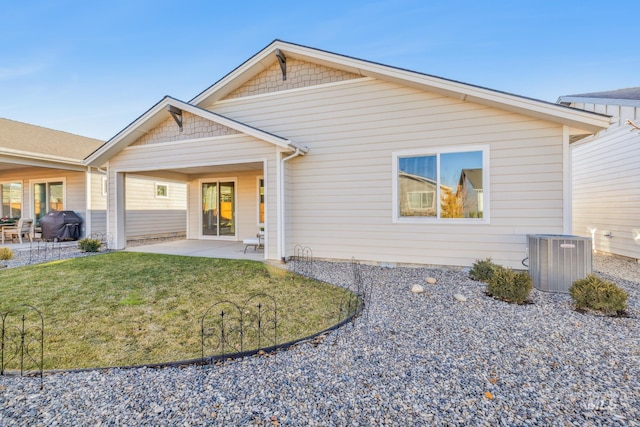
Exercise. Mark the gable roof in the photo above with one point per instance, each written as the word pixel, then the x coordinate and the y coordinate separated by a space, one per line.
pixel 575 118
pixel 158 113
pixel 627 97
pixel 30 145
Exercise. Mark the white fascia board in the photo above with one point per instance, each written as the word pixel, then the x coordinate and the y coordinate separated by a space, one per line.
pixel 40 161
pixel 600 101
pixel 134 131
pixel 241 127
pixel 592 122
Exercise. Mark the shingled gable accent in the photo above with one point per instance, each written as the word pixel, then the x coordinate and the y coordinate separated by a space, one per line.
pixel 194 127
pixel 157 115
pixel 299 74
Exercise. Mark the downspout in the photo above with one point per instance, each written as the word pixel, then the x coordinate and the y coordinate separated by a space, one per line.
pixel 282 205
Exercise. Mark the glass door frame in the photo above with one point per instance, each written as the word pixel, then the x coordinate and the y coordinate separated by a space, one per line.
pixel 218 181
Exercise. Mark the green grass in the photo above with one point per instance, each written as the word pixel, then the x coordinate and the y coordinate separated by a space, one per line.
pixel 128 308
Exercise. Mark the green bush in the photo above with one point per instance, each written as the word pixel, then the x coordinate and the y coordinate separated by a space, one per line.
pixel 89 245
pixel 6 254
pixel 482 270
pixel 598 294
pixel 507 285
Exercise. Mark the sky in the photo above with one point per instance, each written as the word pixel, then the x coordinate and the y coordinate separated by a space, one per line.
pixel 93 67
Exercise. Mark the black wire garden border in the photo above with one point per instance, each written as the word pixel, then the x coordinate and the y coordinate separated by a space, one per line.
pixel 348 312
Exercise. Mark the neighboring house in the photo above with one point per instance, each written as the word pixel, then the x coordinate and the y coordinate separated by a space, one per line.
pixel 606 177
pixel 43 169
pixel 313 146
pixel 470 193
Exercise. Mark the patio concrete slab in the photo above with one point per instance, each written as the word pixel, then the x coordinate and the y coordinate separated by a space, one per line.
pixel 202 248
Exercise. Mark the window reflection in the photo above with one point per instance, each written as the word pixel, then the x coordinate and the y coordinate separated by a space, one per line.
pixel 455 179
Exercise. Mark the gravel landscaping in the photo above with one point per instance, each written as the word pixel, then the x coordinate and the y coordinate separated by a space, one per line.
pixel 411 359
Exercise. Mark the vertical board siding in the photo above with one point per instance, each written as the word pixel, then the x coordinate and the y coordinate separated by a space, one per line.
pixel 340 194
pixel 606 186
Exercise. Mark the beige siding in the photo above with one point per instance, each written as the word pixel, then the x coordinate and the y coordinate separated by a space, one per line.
pixel 215 157
pixel 75 188
pixel 340 193
pixel 606 187
pixel 148 215
pixel 299 74
pixel 97 206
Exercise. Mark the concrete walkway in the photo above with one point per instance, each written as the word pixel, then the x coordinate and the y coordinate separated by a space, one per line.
pixel 202 248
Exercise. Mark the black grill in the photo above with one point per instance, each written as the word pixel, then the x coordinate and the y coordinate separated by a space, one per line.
pixel 61 225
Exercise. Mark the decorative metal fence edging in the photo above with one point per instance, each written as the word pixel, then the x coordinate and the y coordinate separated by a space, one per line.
pixel 227 326
pixel 302 260
pixel 22 344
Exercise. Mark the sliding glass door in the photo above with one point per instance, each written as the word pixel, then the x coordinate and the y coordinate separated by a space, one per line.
pixel 218 208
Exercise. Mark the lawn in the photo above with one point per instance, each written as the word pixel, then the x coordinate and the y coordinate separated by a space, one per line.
pixel 128 308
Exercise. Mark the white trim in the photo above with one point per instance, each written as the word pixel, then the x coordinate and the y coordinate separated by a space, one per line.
pixel 235 208
pixel 294 90
pixel 599 101
pixel 216 138
pixel 484 96
pixel 437 151
pixel 158 184
pixel 567 198
pixel 191 165
pixel 104 185
pixel 258 178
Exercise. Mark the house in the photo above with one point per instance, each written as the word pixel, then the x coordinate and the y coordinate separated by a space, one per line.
pixel 312 146
pixel 606 188
pixel 43 169
pixel 470 193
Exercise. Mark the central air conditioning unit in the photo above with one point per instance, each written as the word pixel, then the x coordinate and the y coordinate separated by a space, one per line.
pixel 556 261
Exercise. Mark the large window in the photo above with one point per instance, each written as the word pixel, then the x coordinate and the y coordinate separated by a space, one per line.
pixel 440 184
pixel 11 194
pixel 47 197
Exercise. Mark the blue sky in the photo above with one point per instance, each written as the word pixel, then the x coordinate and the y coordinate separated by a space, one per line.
pixel 93 67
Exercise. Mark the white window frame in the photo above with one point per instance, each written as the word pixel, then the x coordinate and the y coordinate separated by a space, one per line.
pixel 437 151
pixel 261 224
pixel 235 213
pixel 104 185
pixel 161 184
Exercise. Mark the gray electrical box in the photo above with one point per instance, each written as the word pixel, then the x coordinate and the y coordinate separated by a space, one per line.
pixel 556 261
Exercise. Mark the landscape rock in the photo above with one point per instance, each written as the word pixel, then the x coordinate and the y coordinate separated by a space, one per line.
pixel 417 289
pixel 460 297
pixel 431 280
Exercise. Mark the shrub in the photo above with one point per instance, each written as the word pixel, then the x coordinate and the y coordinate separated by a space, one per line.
pixel 507 285
pixel 89 245
pixel 6 254
pixel 598 294
pixel 482 270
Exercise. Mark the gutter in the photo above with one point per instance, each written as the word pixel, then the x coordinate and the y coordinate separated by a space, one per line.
pixel 282 204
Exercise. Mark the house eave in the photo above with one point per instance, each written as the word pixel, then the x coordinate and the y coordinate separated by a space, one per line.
pixel 158 113
pixel 588 121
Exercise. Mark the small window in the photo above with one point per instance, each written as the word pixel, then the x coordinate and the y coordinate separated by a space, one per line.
pixel 11 194
pixel 104 185
pixel 440 185
pixel 162 191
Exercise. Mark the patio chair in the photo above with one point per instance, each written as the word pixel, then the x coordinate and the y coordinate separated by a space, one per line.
pixel 24 227
pixel 257 242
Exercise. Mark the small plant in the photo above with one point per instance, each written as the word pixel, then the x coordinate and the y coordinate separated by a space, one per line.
pixel 482 270
pixel 598 294
pixel 511 286
pixel 6 254
pixel 89 245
